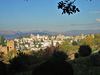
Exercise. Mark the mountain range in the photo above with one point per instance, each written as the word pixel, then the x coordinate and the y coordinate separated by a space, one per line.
pixel 9 34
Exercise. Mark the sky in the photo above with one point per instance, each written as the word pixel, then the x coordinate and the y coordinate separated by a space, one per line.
pixel 21 15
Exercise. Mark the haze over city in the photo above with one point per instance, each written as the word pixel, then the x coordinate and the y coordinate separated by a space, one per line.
pixel 44 15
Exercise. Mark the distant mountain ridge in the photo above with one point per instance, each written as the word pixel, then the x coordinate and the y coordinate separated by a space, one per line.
pixel 79 32
pixel 9 34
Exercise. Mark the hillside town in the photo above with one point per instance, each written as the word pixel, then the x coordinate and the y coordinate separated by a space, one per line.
pixel 39 42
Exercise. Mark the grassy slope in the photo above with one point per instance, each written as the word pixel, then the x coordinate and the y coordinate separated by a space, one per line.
pixel 82 66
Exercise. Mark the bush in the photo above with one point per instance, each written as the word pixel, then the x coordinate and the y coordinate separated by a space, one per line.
pixel 54 66
pixel 60 54
pixel 84 50
pixel 22 62
pixel 81 61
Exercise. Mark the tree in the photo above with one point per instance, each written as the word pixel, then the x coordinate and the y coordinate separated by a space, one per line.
pixel 39 45
pixel 1 54
pixel 60 54
pixel 26 36
pixel 12 54
pixel 2 40
pixel 66 46
pixel 89 40
pixel 84 50
pixel 34 42
pixel 56 65
pixel 96 41
pixel 20 37
pixel 74 43
pixel 84 42
pixel 68 7
pixel 42 40
pixel 51 42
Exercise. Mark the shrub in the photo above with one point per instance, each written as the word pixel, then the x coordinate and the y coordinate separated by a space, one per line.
pixel 60 54
pixel 84 50
pixel 22 62
pixel 54 66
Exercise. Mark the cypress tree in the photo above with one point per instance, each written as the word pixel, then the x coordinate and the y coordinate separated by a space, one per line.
pixel 2 40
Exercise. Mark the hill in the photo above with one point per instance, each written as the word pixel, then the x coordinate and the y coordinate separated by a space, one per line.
pixel 9 34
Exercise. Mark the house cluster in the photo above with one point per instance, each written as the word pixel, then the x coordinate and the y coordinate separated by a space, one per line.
pixel 39 42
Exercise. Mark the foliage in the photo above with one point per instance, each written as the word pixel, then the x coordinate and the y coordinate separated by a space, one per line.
pixel 60 54
pixel 49 50
pixel 93 49
pixel 68 7
pixel 54 66
pixel 86 70
pixel 74 43
pixel 97 36
pixel 96 42
pixel 20 37
pixel 84 50
pixel 26 36
pixel 89 40
pixel 82 66
pixel 3 68
pixel 42 40
pixel 2 40
pixel 39 45
pixel 51 42
pixel 22 62
pixel 84 42
pixel 12 54
pixel 95 59
pixel 1 54
pixel 84 61
pixel 66 46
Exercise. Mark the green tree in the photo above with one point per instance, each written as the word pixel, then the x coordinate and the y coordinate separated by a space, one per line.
pixel 19 48
pixel 1 54
pixel 96 41
pixel 42 40
pixel 84 42
pixel 39 45
pixel 20 37
pixel 74 43
pixel 2 40
pixel 26 36
pixel 34 42
pixel 51 42
pixel 66 46
pixel 85 50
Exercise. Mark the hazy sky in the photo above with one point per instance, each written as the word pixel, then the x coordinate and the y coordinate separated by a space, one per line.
pixel 44 15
